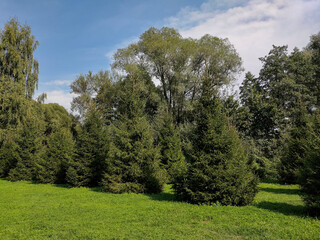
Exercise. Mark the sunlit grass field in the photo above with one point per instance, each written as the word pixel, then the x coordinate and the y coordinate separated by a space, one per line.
pixel 36 211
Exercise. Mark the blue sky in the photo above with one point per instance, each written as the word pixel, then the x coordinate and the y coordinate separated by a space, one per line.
pixel 78 36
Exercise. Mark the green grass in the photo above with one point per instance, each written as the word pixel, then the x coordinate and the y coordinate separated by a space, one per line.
pixel 34 211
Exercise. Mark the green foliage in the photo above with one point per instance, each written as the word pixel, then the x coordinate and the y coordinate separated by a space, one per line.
pixel 310 171
pixel 314 50
pixel 9 153
pixel 18 72
pixel 86 169
pixel 296 147
pixel 16 57
pixel 30 137
pixel 219 170
pixel 116 141
pixel 172 157
pixel 180 65
pixel 272 100
pixel 133 162
pixel 58 154
pixel 87 87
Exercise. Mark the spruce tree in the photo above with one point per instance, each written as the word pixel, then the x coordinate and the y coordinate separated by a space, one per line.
pixel 219 170
pixel 58 154
pixel 172 157
pixel 30 141
pixel 9 152
pixel 87 167
pixel 309 177
pixel 133 162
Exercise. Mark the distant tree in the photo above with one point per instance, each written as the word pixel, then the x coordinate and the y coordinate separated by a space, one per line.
pixel 260 129
pixel 86 87
pixel 41 98
pixel 314 48
pixel 238 115
pixel 296 147
pixel 16 57
pixel 180 65
pixel 18 72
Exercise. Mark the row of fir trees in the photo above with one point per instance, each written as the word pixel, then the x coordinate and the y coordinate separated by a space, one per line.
pixel 161 116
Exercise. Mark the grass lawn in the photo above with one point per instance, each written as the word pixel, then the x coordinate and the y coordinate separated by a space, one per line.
pixel 34 211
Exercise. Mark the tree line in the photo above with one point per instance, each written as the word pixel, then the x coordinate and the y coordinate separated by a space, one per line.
pixel 160 116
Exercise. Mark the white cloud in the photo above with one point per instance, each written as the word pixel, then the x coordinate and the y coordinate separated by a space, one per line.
pixel 59 82
pixel 253 27
pixel 63 98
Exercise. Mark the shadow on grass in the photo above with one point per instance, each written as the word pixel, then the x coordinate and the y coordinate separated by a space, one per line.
pixel 97 189
pixel 270 180
pixel 281 191
pixel 53 184
pixel 284 208
pixel 166 197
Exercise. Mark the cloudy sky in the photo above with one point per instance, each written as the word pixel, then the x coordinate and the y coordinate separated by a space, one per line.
pixel 78 36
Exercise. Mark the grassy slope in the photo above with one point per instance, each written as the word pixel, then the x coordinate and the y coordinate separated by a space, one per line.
pixel 30 211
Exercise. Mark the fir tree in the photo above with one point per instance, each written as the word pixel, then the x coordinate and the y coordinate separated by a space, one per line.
pixel 57 156
pixel 219 170
pixel 309 178
pixel 172 157
pixel 88 165
pixel 30 138
pixel 9 153
pixel 133 161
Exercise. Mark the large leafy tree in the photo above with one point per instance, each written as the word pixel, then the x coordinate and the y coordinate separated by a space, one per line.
pixel 18 72
pixel 16 57
pixel 180 65
pixel 86 88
